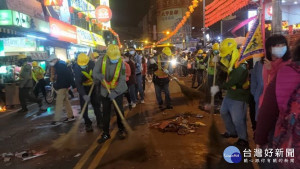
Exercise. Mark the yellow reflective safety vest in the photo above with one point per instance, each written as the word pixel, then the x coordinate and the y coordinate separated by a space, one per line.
pixel 160 73
pixel 114 82
pixel 89 77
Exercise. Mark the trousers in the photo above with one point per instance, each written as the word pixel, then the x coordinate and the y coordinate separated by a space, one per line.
pixel 96 103
pixel 158 91
pixel 107 104
pixel 62 99
pixel 234 114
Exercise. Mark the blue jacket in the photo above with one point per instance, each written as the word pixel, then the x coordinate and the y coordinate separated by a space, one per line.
pixel 257 84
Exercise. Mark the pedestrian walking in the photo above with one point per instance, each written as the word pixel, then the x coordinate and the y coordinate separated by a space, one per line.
pixel 138 73
pixel 62 82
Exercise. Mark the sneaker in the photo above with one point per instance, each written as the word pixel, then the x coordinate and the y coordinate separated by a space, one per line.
pixel 69 119
pixel 133 105
pixel 169 107
pixel 103 138
pixel 242 143
pixel 143 101
pixel 121 134
pixel 127 104
pixel 227 135
pixel 89 128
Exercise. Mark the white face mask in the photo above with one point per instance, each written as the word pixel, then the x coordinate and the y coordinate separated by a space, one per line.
pixel 83 67
pixel 51 63
pixel 279 52
pixel 132 52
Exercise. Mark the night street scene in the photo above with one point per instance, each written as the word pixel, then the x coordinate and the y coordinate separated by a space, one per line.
pixel 150 84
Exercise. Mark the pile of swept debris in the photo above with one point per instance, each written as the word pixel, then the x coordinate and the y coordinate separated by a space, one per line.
pixel 183 124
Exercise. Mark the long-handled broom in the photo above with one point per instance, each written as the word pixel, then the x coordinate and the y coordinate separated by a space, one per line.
pixel 133 144
pixel 65 141
pixel 215 143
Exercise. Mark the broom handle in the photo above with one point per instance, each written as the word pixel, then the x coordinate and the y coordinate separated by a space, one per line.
pixel 128 128
pixel 86 103
pixel 212 100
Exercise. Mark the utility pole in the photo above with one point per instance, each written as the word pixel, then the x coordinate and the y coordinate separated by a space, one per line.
pixel 276 17
pixel 204 29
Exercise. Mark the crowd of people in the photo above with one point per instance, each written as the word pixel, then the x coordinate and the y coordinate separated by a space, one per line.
pixel 269 87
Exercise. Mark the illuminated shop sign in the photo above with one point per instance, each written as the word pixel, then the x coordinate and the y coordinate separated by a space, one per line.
pixel 84 37
pixel 62 31
pixel 9 17
pixel 98 39
pixel 19 44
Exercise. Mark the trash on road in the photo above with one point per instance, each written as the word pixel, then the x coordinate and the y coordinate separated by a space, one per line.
pixel 6 159
pixel 182 124
pixel 28 155
pixel 77 155
pixel 32 156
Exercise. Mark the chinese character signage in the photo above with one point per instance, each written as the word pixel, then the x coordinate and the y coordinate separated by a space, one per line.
pixel 105 3
pixel 84 37
pixel 98 40
pixel 62 31
pixel 20 19
pixel 19 44
pixel 9 18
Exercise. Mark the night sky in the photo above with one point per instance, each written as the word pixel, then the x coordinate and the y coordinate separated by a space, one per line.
pixel 128 13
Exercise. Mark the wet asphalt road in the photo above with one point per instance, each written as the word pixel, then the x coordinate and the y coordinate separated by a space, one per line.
pixel 32 131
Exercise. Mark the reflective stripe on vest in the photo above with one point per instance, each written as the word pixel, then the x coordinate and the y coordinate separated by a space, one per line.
pixel 160 73
pixel 89 80
pixel 114 82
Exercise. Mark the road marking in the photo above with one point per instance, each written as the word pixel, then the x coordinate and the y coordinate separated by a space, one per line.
pixel 97 159
pixel 95 144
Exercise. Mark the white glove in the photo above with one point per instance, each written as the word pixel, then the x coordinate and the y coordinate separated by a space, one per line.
pixel 152 61
pixel 214 90
pixel 215 59
pixel 166 71
pixel 86 98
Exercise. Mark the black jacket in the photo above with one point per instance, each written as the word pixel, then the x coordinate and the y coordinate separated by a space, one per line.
pixel 64 77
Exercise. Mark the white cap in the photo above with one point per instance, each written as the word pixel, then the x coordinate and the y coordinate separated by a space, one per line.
pixel 52 57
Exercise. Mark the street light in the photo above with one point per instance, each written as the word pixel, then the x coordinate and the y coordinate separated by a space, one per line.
pixel 168 32
pixel 146 42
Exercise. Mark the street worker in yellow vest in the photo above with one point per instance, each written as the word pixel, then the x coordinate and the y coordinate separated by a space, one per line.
pixel 111 69
pixel 84 80
pixel 162 67
pixel 38 76
pixel 198 69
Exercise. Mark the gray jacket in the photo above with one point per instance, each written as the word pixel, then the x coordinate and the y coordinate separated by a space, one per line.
pixel 25 77
pixel 110 70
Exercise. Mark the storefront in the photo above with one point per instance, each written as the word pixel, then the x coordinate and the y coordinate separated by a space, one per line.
pixel 61 32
